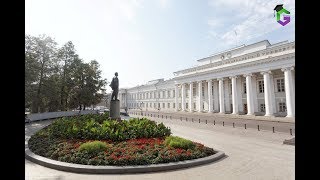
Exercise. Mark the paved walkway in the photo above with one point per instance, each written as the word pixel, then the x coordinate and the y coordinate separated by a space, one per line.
pixel 251 155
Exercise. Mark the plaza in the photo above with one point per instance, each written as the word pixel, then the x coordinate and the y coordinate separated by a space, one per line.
pixel 251 154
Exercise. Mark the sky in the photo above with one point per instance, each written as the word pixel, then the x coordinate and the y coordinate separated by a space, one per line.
pixel 144 40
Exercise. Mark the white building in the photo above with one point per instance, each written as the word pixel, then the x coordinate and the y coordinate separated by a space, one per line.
pixel 255 79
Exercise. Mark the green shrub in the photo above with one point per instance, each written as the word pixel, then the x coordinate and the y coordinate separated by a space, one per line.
pixel 178 142
pixel 98 127
pixel 93 147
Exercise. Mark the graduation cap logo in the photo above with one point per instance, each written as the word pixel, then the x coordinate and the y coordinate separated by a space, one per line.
pixel 280 10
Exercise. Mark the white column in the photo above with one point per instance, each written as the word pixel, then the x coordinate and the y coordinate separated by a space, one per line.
pixel 183 97
pixel 200 96
pixel 209 95
pixel 268 93
pixel 191 96
pixel 176 97
pixel 215 96
pixel 221 95
pixel 254 93
pixel 289 89
pixel 227 103
pixel 235 99
pixel 239 90
pixel 250 103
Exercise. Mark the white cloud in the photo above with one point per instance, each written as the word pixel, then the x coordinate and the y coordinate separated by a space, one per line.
pixel 164 3
pixel 248 18
pixel 129 8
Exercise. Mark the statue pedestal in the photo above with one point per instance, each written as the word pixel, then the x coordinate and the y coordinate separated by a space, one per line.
pixel 115 109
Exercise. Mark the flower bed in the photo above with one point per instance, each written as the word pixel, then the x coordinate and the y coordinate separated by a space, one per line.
pixel 138 142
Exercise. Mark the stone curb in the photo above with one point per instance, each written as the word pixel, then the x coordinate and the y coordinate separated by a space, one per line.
pixel 79 168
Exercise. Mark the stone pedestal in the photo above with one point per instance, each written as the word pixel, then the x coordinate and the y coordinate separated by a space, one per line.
pixel 115 109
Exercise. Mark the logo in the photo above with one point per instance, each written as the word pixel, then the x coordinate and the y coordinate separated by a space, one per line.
pixel 286 15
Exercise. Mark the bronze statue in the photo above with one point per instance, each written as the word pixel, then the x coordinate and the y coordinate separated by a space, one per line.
pixel 115 87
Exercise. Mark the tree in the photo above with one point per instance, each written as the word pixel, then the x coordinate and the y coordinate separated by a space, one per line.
pixel 40 53
pixel 67 57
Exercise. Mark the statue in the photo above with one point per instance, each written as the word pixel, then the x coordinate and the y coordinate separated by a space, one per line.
pixel 115 103
pixel 115 87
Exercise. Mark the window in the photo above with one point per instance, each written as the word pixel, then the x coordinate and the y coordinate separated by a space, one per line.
pixel 282 107
pixel 147 105
pixel 173 94
pixel 186 105
pixel 202 91
pixel 179 93
pixel 158 105
pixel 168 105
pixel 169 94
pixel 163 94
pixel 230 90
pixel 179 105
pixel 212 90
pixel 280 85
pixel 261 87
pixel 154 105
pixel 154 96
pixel 187 93
pixel 194 91
pixel 151 105
pixel 202 105
pixel 194 106
pixel 163 105
pixel 244 88
pixel 174 105
pixel 262 107
pixel 158 94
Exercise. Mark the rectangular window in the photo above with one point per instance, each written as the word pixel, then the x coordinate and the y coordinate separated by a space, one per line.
pixel 163 94
pixel 262 107
pixel 154 96
pixel 212 90
pixel 158 94
pixel 168 105
pixel 280 85
pixel 174 105
pixel 173 93
pixel 202 91
pixel 230 90
pixel 244 88
pixel 179 105
pixel 186 105
pixel 154 105
pixel 163 105
pixel 151 105
pixel 187 93
pixel 202 105
pixel 194 92
pixel 169 94
pixel 158 105
pixel 194 106
pixel 147 104
pixel 282 107
pixel 261 87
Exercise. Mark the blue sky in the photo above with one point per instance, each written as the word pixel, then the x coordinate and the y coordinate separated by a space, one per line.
pixel 149 39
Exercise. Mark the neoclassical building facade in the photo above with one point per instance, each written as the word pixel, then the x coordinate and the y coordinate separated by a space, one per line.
pixel 255 79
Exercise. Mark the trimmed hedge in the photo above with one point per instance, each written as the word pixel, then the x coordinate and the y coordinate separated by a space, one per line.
pixel 178 142
pixel 99 127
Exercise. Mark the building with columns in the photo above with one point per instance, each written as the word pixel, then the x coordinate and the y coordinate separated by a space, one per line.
pixel 255 79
